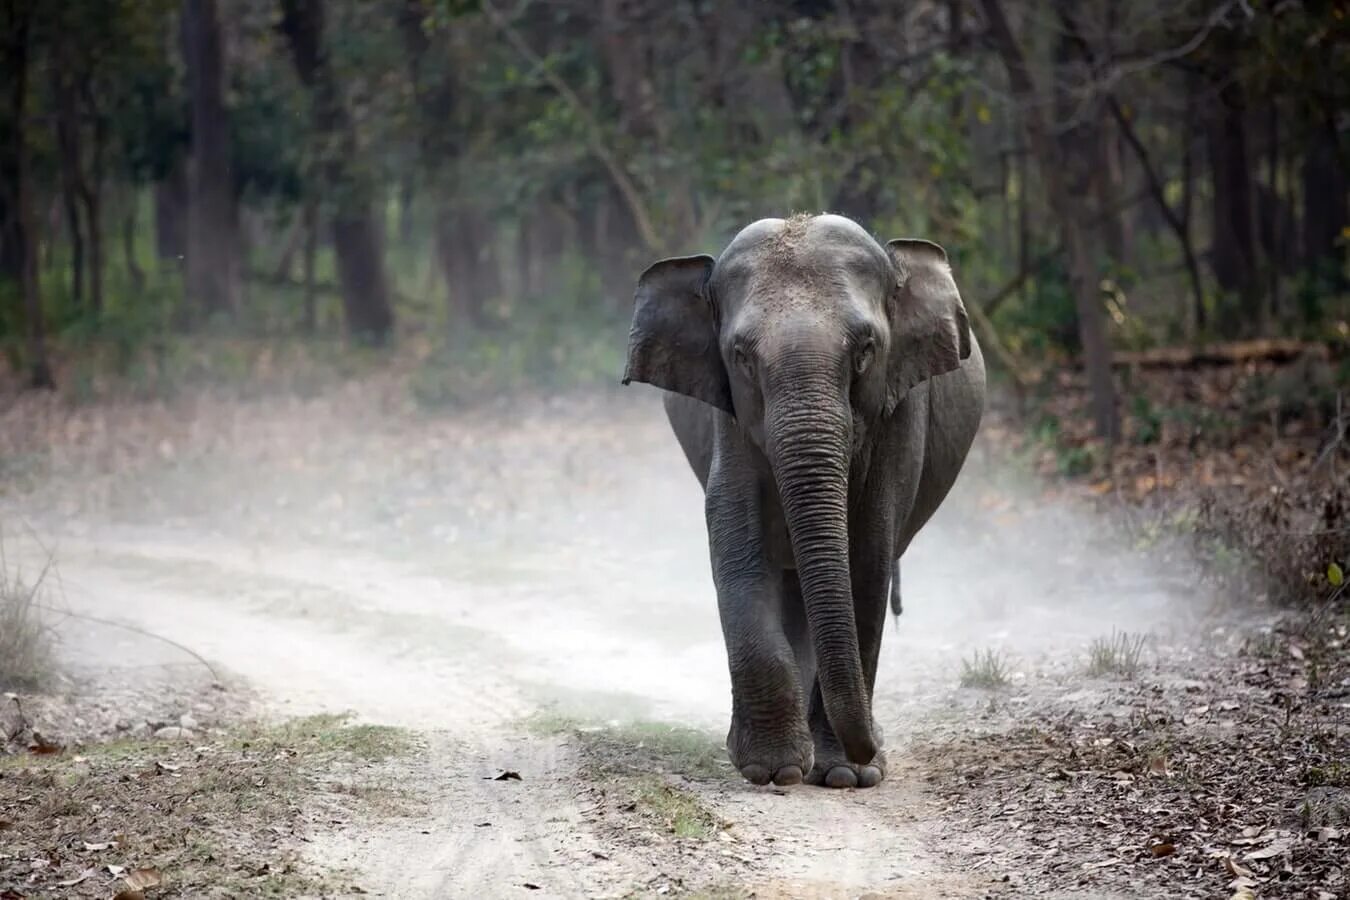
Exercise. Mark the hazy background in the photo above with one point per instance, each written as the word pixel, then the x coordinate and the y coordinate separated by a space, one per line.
pixel 475 185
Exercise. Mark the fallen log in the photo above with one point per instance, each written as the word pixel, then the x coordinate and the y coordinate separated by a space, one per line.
pixel 1227 354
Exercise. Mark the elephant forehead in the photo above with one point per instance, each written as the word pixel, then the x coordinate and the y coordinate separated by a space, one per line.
pixel 804 250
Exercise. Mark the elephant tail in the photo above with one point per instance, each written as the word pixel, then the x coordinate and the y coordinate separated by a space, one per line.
pixel 896 606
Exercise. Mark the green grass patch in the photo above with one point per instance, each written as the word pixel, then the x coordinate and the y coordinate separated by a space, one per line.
pixel 640 744
pixel 333 733
pixel 678 811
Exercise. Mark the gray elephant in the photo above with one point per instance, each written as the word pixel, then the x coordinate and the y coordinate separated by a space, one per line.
pixel 826 390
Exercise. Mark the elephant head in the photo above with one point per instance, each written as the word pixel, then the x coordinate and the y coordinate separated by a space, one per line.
pixel 807 332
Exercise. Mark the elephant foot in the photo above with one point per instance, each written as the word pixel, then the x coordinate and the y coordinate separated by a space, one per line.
pixel 843 774
pixel 764 758
pixel 833 769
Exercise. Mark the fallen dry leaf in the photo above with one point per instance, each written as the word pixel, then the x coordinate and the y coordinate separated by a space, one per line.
pixel 129 895
pixel 83 876
pixel 139 879
pixel 1277 848
pixel 43 747
pixel 100 846
pixel 1237 869
pixel 1102 864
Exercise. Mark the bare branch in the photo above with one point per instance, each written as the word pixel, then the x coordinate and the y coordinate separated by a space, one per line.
pixel 595 138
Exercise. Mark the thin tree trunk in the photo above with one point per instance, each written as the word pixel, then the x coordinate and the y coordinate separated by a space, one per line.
pixel 1325 212
pixel 1023 214
pixel 295 235
pixel 1197 320
pixel 72 178
pixel 358 238
pixel 93 211
pixel 311 225
pixel 1082 274
pixel 171 213
pixel 24 230
pixel 1178 223
pixel 213 225
pixel 1275 256
pixel 134 270
pixel 1234 252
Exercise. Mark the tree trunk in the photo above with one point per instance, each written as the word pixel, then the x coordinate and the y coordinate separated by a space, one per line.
pixel 171 199
pixel 72 171
pixel 1197 320
pixel 311 225
pixel 1234 251
pixel 358 238
pixel 1072 225
pixel 1179 223
pixel 213 226
pixel 23 230
pixel 1325 216
pixel 92 195
pixel 133 265
pixel 468 264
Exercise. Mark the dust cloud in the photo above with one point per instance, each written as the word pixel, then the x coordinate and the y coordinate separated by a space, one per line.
pixel 468 570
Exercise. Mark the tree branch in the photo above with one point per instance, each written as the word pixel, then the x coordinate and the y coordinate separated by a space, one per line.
pixel 594 134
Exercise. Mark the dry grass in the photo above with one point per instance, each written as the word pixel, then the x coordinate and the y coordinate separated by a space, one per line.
pixel 1116 655
pixel 220 817
pixel 25 639
pixel 985 669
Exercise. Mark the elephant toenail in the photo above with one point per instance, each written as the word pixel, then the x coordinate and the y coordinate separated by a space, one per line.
pixel 756 774
pixel 841 777
pixel 788 775
pixel 869 776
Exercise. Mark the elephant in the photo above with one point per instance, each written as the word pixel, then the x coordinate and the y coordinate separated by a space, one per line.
pixel 826 389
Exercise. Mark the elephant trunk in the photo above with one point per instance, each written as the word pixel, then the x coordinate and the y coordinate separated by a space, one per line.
pixel 808 442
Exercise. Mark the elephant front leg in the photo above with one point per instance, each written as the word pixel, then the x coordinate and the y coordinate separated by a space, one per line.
pixel 769 739
pixel 832 768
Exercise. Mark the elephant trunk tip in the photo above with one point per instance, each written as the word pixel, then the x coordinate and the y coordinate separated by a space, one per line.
pixel 856 738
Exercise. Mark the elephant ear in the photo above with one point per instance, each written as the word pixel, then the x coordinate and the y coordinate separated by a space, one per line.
pixel 673 342
pixel 929 328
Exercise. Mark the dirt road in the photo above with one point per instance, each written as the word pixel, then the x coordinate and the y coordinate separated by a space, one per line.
pixel 527 587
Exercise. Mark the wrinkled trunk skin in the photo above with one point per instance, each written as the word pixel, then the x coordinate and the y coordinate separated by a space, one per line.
pixel 809 446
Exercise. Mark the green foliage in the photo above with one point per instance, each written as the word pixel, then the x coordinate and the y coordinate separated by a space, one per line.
pixel 690 115
pixel 1147 420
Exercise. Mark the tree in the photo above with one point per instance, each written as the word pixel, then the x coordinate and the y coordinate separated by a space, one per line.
pixel 213 267
pixel 1071 223
pixel 357 234
pixel 20 236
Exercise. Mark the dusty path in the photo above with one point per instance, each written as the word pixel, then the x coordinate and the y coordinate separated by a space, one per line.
pixel 472 576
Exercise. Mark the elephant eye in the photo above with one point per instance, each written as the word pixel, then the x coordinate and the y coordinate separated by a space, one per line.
pixel 742 358
pixel 862 359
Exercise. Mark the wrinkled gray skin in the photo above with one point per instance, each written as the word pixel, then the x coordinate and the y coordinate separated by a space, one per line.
pixel 826 390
